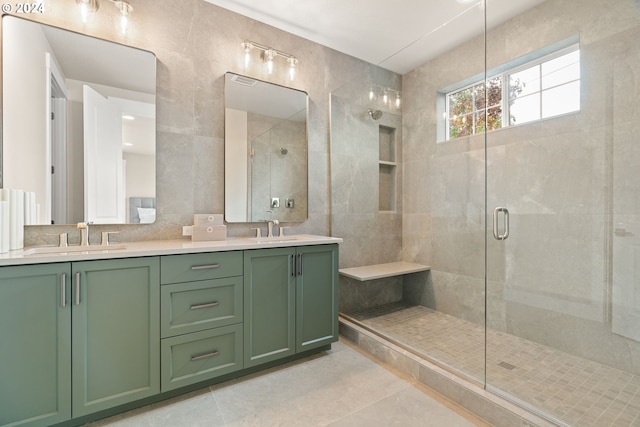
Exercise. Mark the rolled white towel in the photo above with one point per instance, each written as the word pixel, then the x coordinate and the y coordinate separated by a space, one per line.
pixel 4 226
pixel 16 220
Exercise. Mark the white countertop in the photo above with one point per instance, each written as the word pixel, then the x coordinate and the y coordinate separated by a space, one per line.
pixel 161 247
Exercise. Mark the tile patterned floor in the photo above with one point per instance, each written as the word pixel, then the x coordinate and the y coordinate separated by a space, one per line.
pixel 341 387
pixel 575 391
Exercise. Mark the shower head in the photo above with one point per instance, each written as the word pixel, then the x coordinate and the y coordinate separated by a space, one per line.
pixel 375 115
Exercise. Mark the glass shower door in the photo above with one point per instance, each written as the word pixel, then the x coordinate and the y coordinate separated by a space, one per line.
pixel 563 289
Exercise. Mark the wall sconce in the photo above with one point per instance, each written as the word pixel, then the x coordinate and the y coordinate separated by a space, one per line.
pixel 87 7
pixel 268 56
pixel 389 97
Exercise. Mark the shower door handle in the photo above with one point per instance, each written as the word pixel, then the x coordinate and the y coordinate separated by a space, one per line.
pixel 496 214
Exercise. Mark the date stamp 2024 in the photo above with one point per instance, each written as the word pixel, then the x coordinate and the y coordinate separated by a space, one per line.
pixel 20 8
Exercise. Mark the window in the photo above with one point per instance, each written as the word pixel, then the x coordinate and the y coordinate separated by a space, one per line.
pixel 547 87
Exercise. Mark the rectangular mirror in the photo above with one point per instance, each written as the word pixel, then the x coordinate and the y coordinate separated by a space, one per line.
pixel 265 151
pixel 79 127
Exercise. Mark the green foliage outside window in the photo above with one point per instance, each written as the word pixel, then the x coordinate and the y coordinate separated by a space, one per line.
pixel 478 108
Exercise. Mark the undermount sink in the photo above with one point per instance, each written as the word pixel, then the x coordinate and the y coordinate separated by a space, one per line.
pixel 67 249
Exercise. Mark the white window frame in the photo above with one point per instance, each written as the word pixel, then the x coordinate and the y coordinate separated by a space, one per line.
pixel 505 76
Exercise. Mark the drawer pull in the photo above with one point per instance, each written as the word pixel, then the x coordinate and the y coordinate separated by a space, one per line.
pixel 205 356
pixel 207 305
pixel 204 267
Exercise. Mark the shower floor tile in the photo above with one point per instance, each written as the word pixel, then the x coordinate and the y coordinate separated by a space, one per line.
pixel 573 390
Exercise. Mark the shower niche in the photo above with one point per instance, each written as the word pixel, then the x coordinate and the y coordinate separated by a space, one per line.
pixel 387 168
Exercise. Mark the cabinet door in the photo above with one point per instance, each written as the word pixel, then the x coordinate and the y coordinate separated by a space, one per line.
pixel 269 305
pixel 35 332
pixel 116 332
pixel 317 296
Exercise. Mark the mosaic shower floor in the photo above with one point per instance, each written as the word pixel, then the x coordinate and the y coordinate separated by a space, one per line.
pixel 573 390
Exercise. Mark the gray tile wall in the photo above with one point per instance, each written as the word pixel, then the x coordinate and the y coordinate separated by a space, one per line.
pixel 370 236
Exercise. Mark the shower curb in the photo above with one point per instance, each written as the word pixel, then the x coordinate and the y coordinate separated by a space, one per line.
pixel 486 405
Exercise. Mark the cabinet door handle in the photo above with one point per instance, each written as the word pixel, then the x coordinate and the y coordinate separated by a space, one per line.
pixel 205 356
pixel 204 267
pixel 63 290
pixel 206 305
pixel 293 265
pixel 300 264
pixel 77 302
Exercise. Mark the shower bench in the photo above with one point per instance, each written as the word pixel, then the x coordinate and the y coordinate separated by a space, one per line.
pixel 379 271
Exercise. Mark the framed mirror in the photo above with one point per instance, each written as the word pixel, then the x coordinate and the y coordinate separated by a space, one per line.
pixel 79 127
pixel 265 142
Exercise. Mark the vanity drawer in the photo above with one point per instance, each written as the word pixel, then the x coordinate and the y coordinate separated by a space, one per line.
pixel 191 358
pixel 196 306
pixel 192 267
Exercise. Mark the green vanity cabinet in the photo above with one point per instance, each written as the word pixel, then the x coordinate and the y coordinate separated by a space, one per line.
pixel 77 338
pixel 116 332
pixel 35 337
pixel 291 301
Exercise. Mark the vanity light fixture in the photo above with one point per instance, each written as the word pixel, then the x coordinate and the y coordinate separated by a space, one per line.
pixel 268 56
pixel 385 95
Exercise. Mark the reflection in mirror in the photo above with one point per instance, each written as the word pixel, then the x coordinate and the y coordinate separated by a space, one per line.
pixel 265 151
pixel 78 124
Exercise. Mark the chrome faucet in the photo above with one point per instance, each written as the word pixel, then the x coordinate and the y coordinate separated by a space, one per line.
pixel 84 233
pixel 270 225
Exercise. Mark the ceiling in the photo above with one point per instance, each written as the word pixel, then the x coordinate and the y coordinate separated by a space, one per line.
pixel 397 35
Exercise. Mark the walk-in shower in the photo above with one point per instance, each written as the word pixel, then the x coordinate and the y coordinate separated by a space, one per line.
pixel 537 116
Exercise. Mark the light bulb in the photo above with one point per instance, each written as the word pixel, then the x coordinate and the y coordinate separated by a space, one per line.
pixel 125 8
pixel 268 56
pixel 87 7
pixel 123 24
pixel 398 101
pixel 246 47
pixel 84 13
pixel 372 95
pixel 385 98
pixel 293 65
